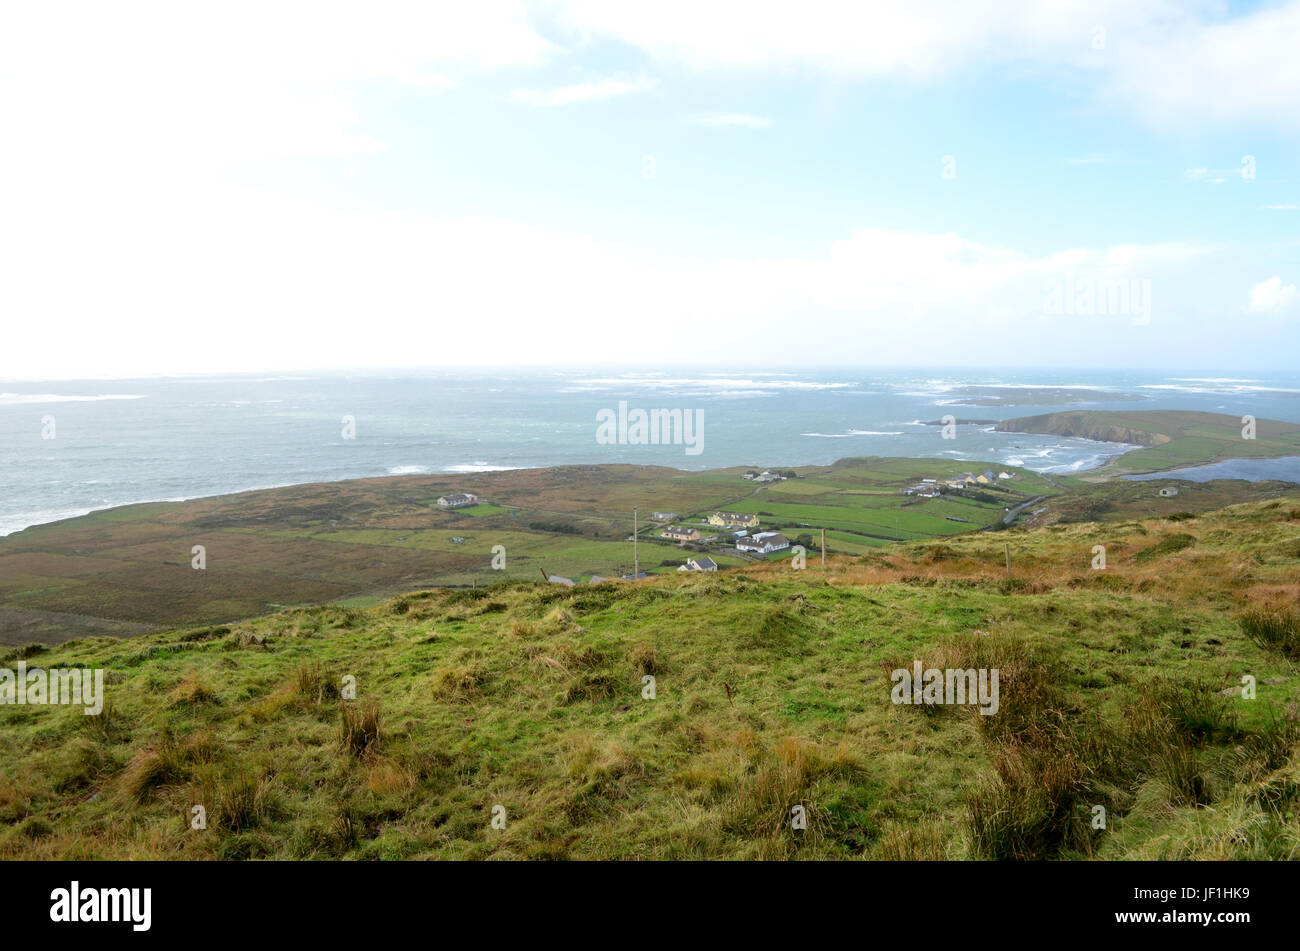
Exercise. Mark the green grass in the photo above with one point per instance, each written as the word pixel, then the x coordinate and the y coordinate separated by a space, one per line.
pixel 772 690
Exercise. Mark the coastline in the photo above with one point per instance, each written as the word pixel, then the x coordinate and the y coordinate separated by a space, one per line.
pixel 1095 474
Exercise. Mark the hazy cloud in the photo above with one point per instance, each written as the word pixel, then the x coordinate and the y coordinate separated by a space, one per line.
pixel 594 91
pixel 1273 297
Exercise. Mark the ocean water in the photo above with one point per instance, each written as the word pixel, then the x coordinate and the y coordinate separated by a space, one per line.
pixel 1285 469
pixel 123 441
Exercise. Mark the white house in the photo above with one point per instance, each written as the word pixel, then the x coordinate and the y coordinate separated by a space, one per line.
pixel 699 564
pixel 1168 492
pixel 457 500
pixel 763 543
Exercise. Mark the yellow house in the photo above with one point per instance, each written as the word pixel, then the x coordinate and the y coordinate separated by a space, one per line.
pixel 680 533
pixel 733 520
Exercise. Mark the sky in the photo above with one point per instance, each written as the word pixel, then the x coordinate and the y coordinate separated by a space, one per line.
pixel 244 187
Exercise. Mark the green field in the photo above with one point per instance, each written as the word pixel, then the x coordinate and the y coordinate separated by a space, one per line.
pixel 1120 688
pixel 129 570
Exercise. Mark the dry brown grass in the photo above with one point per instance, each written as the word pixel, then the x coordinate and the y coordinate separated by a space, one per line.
pixel 191 691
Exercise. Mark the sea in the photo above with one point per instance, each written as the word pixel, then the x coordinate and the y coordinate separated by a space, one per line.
pixel 71 447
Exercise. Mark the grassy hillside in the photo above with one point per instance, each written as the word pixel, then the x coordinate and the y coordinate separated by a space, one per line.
pixel 1120 688
pixel 1123 499
pixel 1170 438
pixel 128 570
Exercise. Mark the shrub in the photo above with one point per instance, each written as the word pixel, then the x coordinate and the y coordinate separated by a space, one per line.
pixel 1275 628
pixel 1169 546
pixel 1197 711
pixel 167 762
pixel 191 691
pixel 316 684
pixel 1034 807
pixel 646 659
pixel 24 652
pixel 361 732
pixel 241 803
pixel 459 684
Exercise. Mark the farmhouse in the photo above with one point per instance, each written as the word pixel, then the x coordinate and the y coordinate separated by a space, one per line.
pixel 680 533
pixel 662 516
pixel 733 520
pixel 699 564
pixel 1168 492
pixel 1004 475
pixel 926 489
pixel 457 500
pixel 764 543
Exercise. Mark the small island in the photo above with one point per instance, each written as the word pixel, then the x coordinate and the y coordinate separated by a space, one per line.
pixel 1167 439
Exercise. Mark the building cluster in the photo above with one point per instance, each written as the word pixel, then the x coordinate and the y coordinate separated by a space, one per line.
pixel 933 488
pixel 763 477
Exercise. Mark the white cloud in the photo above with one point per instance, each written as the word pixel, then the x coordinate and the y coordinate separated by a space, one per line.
pixel 1273 297
pixel 1194 68
pixel 1289 206
pixel 179 83
pixel 1218 176
pixel 1175 64
pixel 235 279
pixel 596 90
pixel 736 119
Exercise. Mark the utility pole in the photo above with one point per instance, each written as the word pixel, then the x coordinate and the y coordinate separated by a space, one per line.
pixel 823 546
pixel 1007 547
pixel 636 563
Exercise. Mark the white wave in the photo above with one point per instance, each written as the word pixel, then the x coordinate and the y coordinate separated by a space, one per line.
pixel 828 435
pixel 1220 388
pixel 17 399
pixel 871 432
pixel 716 383
pixel 478 467
pixel 407 470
